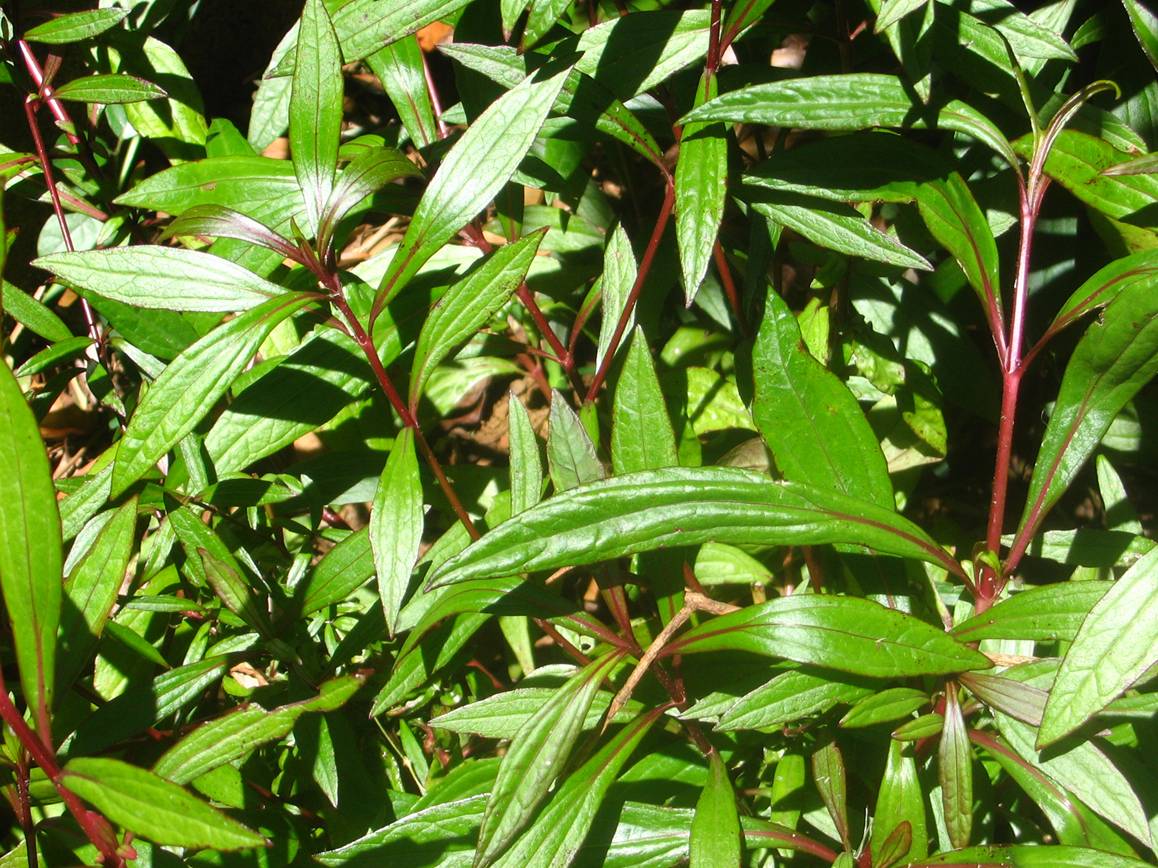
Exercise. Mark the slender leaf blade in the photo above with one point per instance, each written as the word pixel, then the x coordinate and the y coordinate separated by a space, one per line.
pixel 955 772
pixel 187 389
pixel 30 547
pixel 1116 644
pixel 109 89
pixel 316 109
pixel 396 525
pixel 715 835
pixel 641 433
pixel 75 26
pixel 700 190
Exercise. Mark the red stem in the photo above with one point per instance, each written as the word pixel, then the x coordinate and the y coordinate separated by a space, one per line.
pixel 45 92
pixel 714 51
pixel 729 283
pixel 633 296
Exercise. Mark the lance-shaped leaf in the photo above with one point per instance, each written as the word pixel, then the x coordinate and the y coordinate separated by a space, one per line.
pixel 848 634
pixel 234 592
pixel 476 168
pixel 619 275
pixel 649 510
pixel 364 26
pixel 30 548
pixel 955 772
pixel 1116 644
pixel 559 831
pixel 1145 26
pixel 91 588
pixel 162 278
pixel 1115 358
pixel 236 735
pixel 537 755
pixel 1044 614
pixel 582 96
pixel 1079 161
pixel 242 183
pixel 109 89
pixel 700 189
pixel 316 109
pixel 154 808
pixel 396 525
pixel 367 173
pixel 399 67
pixel 1085 771
pixel 468 305
pixel 1105 286
pixel 715 834
pixel 217 221
pixel 848 102
pixel 884 706
pixel 1147 164
pixel 838 227
pixel 75 26
pixel 808 417
pixel 187 389
pixel 526 463
pixel 1023 701
pixel 791 696
pixel 893 11
pixel 571 457
pixel 641 433
pixel 831 782
pixel 955 219
pixel 900 800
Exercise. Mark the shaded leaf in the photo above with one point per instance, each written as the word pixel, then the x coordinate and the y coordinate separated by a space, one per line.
pixel 75 26
pixel 217 221
pixel 571 456
pixel 399 67
pixel 831 782
pixel 715 832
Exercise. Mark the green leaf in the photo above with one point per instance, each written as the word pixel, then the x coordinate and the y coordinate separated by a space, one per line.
pixel 641 434
pixel 1105 286
pixel 399 67
pixel 153 807
pixel 69 349
pixel 645 511
pixel 884 706
pixel 1086 772
pixel 244 184
pixel 1087 547
pixel 847 634
pixel 1079 161
pixel 234 592
pixel 831 782
pixel 540 20
pixel 701 176
pixel 502 715
pixel 340 572
pixel 364 26
pixel 30 548
pixel 1145 26
pixel 571 456
pixel 1116 644
pixel 619 276
pixel 91 589
pixel 893 11
pixel 76 26
pixel 188 388
pixel 838 227
pixel 1016 699
pixel 217 221
pixel 236 735
pixel 1034 856
pixel 468 305
pixel 1045 614
pixel 868 166
pixel 449 828
pixel 661 44
pixel 471 174
pixel 715 833
pixel 537 755
pixel 367 173
pixel 582 96
pixel 109 89
pixel 848 102
pixel 788 697
pixel 808 417
pixel 1147 164
pixel 955 772
pixel 32 314
pixel 1116 356
pixel 526 464
pixel 162 278
pixel 560 829
pixel 316 110
pixel 900 800
pixel 957 222
pixel 396 525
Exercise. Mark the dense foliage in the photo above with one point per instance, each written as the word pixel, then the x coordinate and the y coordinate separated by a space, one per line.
pixel 621 433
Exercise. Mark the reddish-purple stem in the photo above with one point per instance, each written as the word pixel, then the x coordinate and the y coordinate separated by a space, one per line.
pixel 633 296
pixel 435 102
